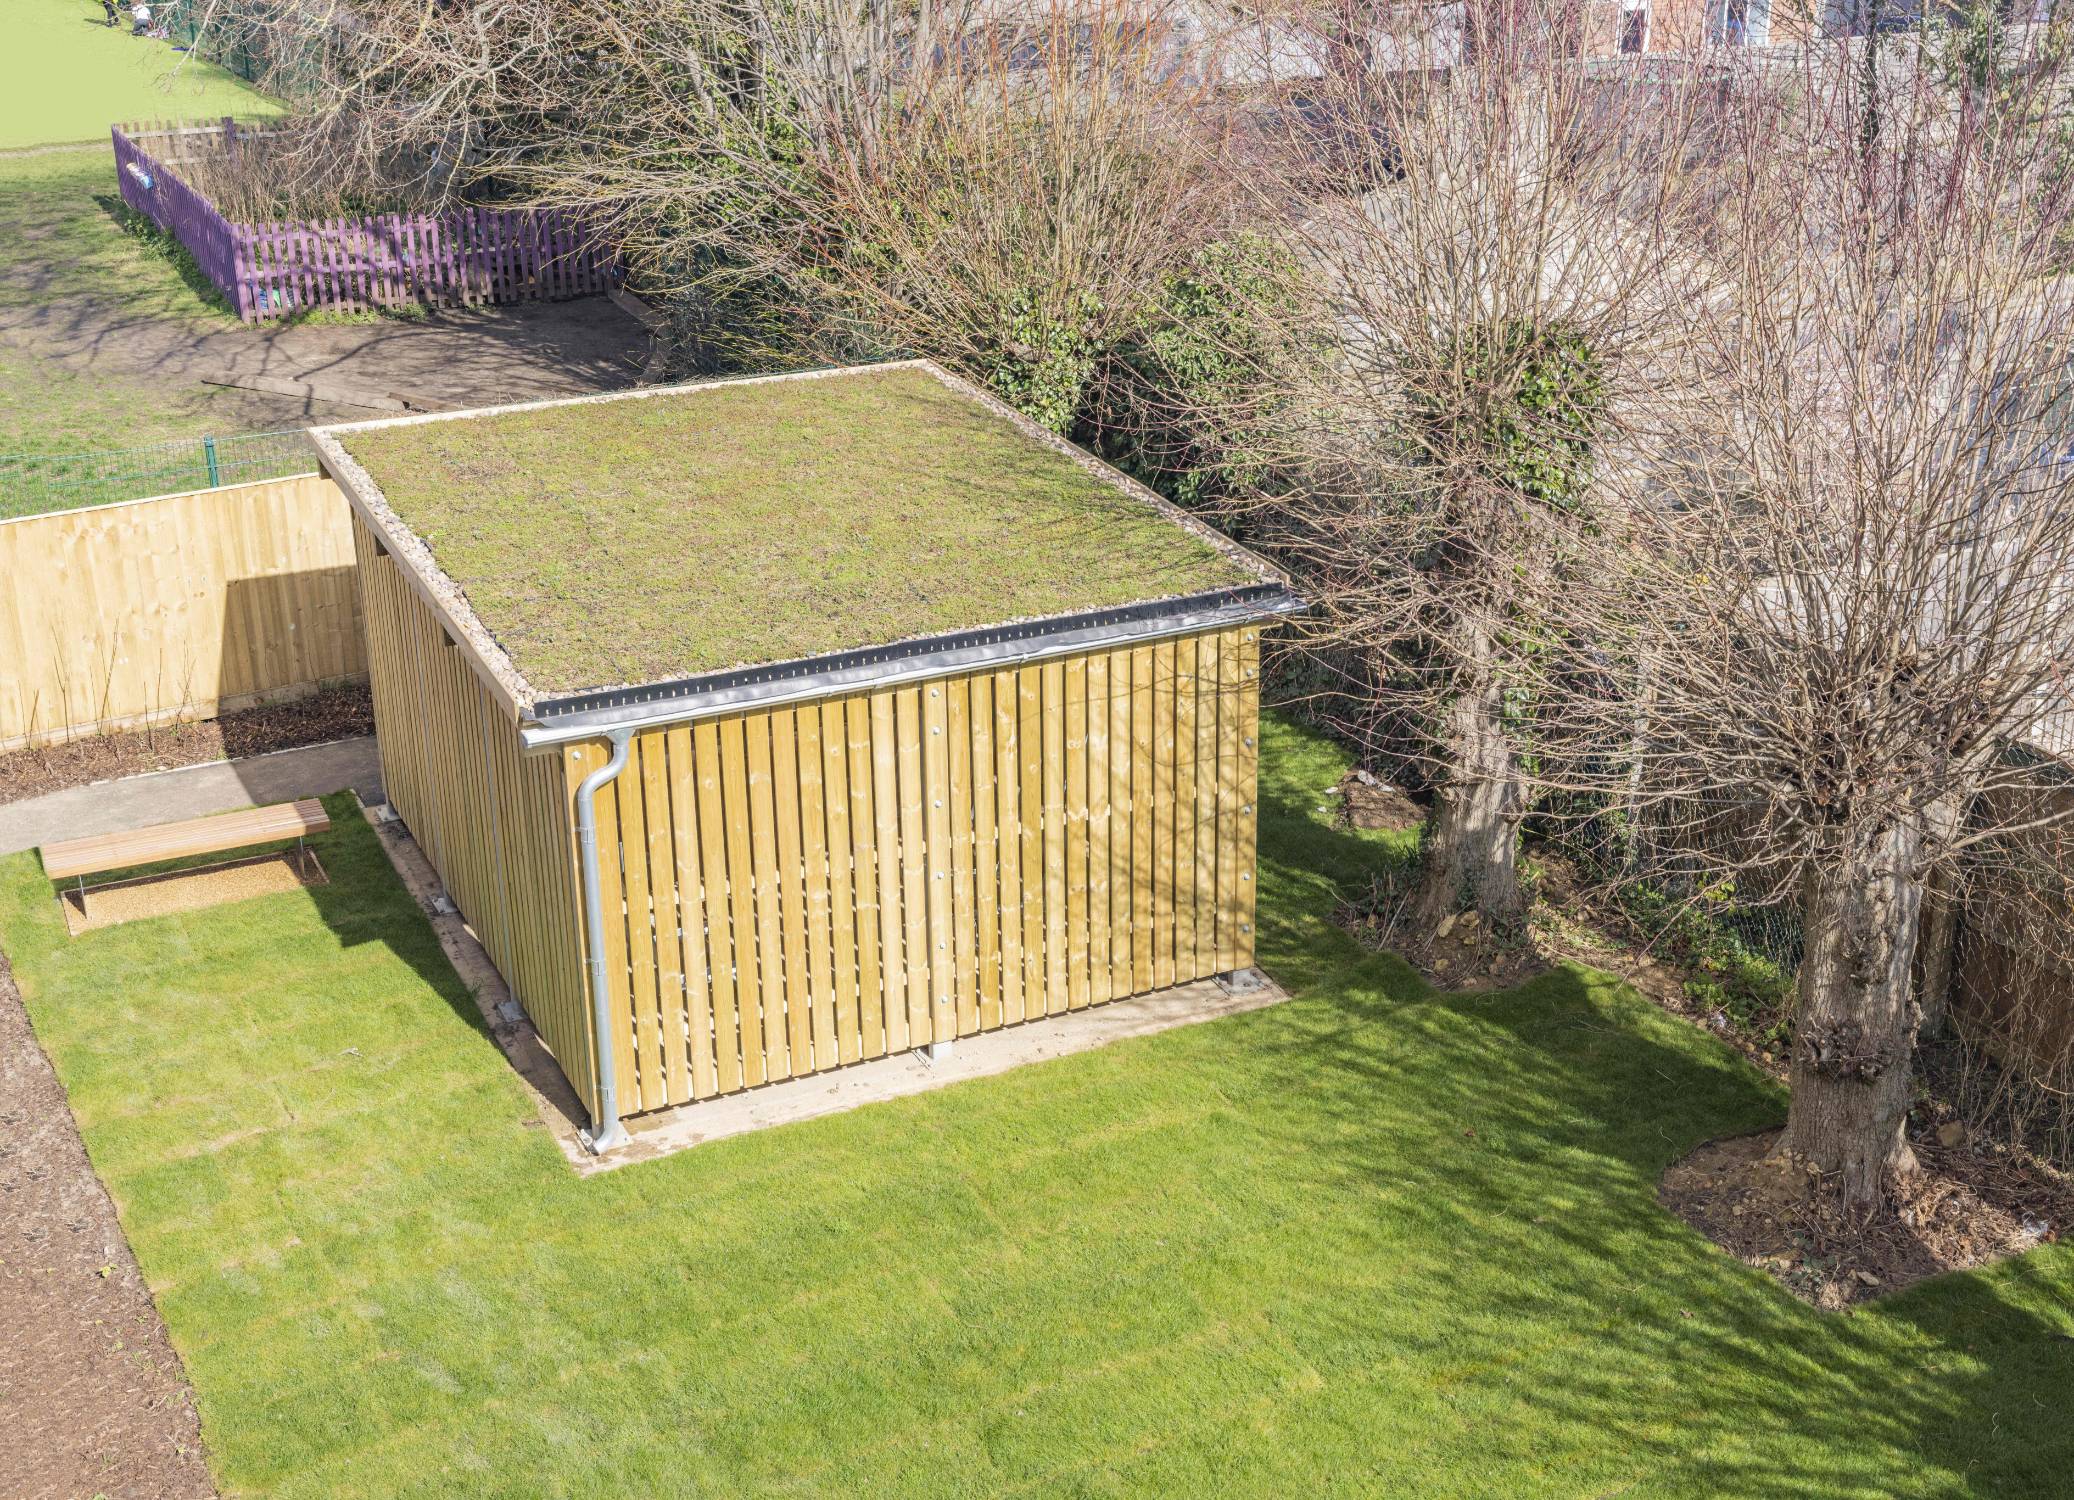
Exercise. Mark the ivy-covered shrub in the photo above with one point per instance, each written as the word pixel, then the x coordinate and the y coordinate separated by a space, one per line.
pixel 1046 357
pixel 1521 403
pixel 1177 403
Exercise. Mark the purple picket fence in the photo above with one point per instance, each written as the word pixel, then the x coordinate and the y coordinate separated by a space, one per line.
pixel 461 258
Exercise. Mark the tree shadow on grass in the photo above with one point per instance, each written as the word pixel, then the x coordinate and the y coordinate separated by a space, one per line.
pixel 1527 1129
pixel 167 248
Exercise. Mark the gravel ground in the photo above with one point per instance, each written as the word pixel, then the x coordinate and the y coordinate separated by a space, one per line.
pixel 190 890
pixel 92 1397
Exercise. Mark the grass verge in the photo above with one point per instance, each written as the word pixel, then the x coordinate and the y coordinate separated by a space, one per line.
pixel 71 76
pixel 1376 1240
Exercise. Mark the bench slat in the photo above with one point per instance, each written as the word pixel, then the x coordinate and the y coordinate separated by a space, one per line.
pixel 143 846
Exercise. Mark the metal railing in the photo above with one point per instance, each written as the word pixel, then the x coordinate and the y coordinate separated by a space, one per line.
pixel 34 483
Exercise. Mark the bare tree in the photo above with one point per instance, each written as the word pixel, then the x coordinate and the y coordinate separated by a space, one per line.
pixel 1000 187
pixel 1846 598
pixel 1488 279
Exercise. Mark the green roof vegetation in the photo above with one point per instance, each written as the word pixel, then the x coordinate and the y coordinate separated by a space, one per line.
pixel 641 540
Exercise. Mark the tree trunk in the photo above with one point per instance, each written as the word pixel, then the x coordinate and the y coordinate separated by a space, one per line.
pixel 1854 1035
pixel 1934 956
pixel 1471 849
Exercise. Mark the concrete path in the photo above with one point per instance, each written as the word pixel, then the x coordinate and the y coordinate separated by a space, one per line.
pixel 192 792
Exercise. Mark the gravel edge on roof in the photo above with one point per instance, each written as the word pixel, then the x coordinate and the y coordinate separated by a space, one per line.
pixel 405 544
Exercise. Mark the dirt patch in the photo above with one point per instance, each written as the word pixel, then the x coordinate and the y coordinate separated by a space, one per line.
pixel 191 890
pixel 333 714
pixel 1461 953
pixel 1965 1209
pixel 1368 801
pixel 90 1388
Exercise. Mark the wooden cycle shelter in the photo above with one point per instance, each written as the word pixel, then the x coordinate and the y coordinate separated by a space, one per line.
pixel 763 726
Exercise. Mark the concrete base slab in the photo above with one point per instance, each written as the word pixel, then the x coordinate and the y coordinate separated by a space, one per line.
pixel 667 1131
pixel 192 792
pixel 980 1056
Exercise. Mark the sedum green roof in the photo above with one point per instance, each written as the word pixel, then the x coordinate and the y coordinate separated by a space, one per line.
pixel 603 543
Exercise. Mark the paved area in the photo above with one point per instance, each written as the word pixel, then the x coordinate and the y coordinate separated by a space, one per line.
pixel 459 357
pixel 192 792
pixel 991 1052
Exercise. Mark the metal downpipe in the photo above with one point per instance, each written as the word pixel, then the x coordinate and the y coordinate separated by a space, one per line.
pixel 606 1132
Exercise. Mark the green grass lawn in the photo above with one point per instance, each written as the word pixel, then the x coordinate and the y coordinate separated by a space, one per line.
pixel 69 271
pixel 69 77
pixel 1377 1240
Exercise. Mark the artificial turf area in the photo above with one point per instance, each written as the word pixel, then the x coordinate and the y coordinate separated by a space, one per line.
pixel 69 76
pixel 763 521
pixel 1376 1240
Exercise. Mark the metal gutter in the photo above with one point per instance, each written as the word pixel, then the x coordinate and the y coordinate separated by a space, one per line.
pixel 582 716
pixel 606 1132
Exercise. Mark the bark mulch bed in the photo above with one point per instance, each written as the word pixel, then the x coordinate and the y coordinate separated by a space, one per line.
pixel 92 1397
pixel 1965 1208
pixel 333 714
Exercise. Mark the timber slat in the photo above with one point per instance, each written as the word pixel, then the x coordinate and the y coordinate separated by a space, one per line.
pixel 70 858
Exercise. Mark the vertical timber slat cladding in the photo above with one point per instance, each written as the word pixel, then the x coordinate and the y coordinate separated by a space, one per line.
pixel 986 855
pixel 1100 979
pixel 1008 825
pixel 465 770
pixel 797 888
pixel 184 606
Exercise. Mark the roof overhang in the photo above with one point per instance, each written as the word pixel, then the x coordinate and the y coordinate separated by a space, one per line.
pixel 584 716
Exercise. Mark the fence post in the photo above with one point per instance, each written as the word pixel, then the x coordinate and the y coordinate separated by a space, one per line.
pixel 209 454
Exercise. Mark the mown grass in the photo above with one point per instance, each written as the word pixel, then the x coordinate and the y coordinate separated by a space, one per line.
pixel 765 521
pixel 70 270
pixel 70 76
pixel 1376 1240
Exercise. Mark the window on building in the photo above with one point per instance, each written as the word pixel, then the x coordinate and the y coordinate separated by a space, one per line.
pixel 1634 28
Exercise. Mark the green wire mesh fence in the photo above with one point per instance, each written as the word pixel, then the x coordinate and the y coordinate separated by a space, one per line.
pixel 33 483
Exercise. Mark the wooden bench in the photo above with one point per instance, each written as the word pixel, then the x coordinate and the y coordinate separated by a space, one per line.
pixel 75 859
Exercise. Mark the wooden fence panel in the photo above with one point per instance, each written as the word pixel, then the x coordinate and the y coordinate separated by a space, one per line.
pixel 179 607
pixel 462 257
pixel 872 873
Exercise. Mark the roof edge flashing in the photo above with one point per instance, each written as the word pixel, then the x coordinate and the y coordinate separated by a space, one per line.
pixel 576 716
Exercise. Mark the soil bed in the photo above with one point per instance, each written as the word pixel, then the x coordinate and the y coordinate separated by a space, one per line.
pixel 91 1391
pixel 334 714
pixel 1964 1209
